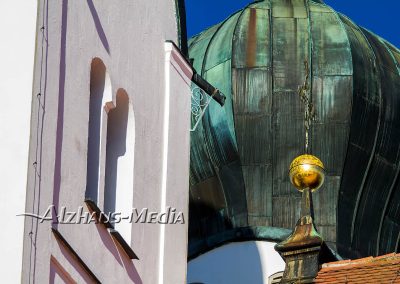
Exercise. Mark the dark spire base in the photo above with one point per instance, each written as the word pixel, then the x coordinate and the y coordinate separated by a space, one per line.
pixel 302 265
pixel 301 252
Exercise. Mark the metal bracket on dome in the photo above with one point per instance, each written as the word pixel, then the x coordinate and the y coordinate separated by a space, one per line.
pixel 200 102
pixel 202 94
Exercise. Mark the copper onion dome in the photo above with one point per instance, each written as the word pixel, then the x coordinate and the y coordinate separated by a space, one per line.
pixel 240 152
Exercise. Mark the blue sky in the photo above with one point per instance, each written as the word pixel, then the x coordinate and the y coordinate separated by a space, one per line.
pixel 382 17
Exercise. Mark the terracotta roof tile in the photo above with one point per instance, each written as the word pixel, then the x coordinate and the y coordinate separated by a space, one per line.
pixel 381 269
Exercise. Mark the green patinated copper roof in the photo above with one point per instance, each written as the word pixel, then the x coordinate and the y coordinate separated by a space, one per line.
pixel 240 153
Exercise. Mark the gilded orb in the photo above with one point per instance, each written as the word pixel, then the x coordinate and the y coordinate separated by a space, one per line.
pixel 307 171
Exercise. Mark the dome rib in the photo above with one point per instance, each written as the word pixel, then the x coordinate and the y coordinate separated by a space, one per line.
pixel 381 174
pixel 347 183
pixel 396 178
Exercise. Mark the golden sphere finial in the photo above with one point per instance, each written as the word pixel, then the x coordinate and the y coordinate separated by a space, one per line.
pixel 307 171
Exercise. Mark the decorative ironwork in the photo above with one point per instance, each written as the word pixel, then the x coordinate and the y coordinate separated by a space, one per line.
pixel 309 109
pixel 200 102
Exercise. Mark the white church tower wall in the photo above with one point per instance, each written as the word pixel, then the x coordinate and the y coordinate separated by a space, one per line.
pixel 109 131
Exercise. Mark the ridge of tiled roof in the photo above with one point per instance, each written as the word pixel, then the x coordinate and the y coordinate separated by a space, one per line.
pixel 381 269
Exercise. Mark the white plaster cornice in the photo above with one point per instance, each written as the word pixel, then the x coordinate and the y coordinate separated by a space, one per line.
pixel 176 59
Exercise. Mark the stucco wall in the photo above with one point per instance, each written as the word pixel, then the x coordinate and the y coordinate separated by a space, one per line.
pixel 129 37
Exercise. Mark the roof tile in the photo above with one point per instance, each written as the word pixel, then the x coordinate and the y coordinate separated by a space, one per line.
pixel 381 269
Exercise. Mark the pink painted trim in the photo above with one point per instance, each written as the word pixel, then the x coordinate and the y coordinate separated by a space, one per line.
pixel 57 269
pixel 178 61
